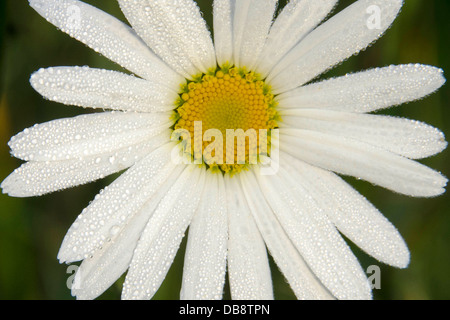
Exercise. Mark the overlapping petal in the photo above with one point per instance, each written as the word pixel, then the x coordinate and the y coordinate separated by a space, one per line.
pixel 175 30
pixel 163 234
pixel 408 138
pixel 248 265
pixel 107 35
pixel 352 157
pixel 251 25
pixel 116 232
pixel 36 178
pixel 206 252
pixel 116 205
pixel 294 22
pixel 350 212
pixel 344 35
pixel 88 135
pixel 223 13
pixel 314 236
pixel 303 282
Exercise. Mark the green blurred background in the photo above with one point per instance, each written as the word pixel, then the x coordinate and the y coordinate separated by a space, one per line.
pixel 31 230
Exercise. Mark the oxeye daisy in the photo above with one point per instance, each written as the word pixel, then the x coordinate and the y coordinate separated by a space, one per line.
pixel 232 139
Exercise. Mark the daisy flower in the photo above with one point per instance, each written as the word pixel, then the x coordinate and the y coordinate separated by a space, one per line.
pixel 258 75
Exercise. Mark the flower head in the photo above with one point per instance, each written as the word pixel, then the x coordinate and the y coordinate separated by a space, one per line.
pixel 232 140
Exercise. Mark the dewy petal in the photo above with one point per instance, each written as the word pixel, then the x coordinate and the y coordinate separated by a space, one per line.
pixel 342 36
pixel 352 157
pixel 104 266
pixel 107 35
pixel 251 24
pixel 223 12
pixel 87 135
pixel 352 214
pixel 102 89
pixel 163 234
pixel 367 91
pixel 248 265
pixel 175 30
pixel 314 236
pixel 206 252
pixel 296 20
pixel 408 138
pixel 116 205
pixel 41 177
pixel 303 282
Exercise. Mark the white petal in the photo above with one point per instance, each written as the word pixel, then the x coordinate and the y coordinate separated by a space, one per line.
pixel 315 237
pixel 105 265
pixel 223 12
pixel 408 138
pixel 303 282
pixel 206 252
pixel 252 21
pixel 352 214
pixel 116 205
pixel 367 91
pixel 38 178
pixel 175 30
pixel 107 35
pixel 87 135
pixel 296 20
pixel 96 88
pixel 248 265
pixel 342 36
pixel 163 234
pixel 361 160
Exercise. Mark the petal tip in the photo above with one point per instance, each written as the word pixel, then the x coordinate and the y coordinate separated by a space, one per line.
pixel 402 258
pixel 36 78
pixel 403 263
pixel 7 187
pixel 37 5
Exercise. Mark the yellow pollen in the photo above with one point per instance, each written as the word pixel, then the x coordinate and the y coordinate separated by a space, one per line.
pixel 227 99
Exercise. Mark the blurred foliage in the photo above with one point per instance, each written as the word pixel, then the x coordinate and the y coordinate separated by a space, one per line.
pixel 31 230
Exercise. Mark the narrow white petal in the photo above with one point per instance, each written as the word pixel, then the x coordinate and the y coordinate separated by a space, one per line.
pixel 102 89
pixel 314 236
pixel 223 12
pixel 163 234
pixel 105 265
pixel 367 91
pixel 298 18
pixel 342 36
pixel 87 135
pixel 408 138
pixel 252 22
pixel 41 177
pixel 248 265
pixel 352 214
pixel 303 282
pixel 175 30
pixel 107 35
pixel 351 157
pixel 240 11
pixel 116 205
pixel 206 252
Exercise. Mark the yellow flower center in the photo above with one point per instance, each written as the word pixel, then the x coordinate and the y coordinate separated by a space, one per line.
pixel 228 114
